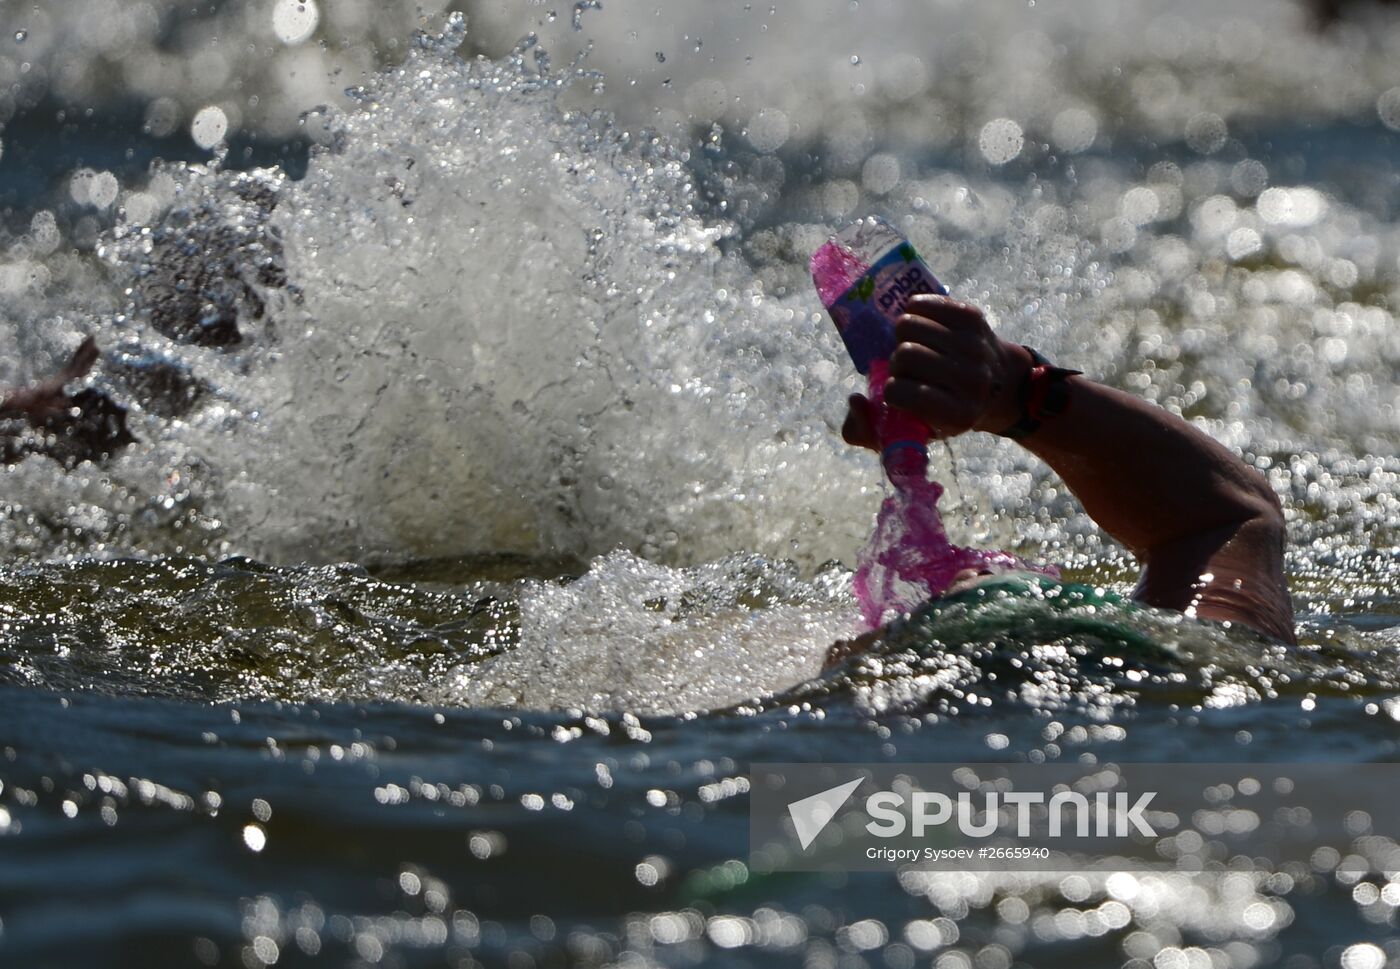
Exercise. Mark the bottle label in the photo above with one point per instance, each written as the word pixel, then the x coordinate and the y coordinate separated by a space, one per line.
pixel 864 315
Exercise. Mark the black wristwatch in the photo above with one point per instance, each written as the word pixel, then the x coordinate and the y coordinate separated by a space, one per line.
pixel 1044 394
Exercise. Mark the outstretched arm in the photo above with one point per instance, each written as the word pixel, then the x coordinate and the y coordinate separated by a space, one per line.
pixel 47 400
pixel 83 426
pixel 1206 527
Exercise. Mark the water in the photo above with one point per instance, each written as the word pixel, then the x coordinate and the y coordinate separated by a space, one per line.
pixel 488 514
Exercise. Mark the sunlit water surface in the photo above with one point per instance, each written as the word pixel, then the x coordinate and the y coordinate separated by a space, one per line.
pixel 488 517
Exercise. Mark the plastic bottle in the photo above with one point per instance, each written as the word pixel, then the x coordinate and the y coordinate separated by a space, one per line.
pixel 864 277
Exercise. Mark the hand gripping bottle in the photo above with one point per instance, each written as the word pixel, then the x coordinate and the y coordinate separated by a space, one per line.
pixel 865 276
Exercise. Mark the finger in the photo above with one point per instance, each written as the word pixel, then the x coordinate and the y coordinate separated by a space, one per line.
pixel 931 333
pixel 919 362
pixel 944 412
pixel 918 329
pixel 957 372
pixel 946 310
pixel 859 427
pixel 83 359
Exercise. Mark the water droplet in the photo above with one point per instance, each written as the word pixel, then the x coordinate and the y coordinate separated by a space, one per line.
pixel 1001 140
pixel 21 36
pixel 209 126
pixel 1388 108
pixel 580 7
pixel 660 57
pixel 293 21
pixel 855 60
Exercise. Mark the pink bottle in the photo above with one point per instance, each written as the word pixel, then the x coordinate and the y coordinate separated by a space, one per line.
pixel 865 276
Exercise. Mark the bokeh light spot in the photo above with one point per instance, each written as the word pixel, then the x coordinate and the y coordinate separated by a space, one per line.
pixel 1388 107
pixel 1001 140
pixel 1074 130
pixel 209 127
pixel 293 21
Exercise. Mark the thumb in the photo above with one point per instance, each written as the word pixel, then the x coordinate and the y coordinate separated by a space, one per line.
pixel 859 426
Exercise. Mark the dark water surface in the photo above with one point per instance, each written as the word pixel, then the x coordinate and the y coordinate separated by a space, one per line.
pixel 144 824
pixel 420 834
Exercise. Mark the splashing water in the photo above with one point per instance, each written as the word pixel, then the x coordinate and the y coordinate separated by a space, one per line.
pixel 580 7
pixel 909 558
pixel 643 636
pixel 835 270
pixel 607 377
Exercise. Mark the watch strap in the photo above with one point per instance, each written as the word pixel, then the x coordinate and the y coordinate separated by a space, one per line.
pixel 1044 394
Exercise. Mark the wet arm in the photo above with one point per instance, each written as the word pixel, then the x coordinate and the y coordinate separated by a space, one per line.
pixel 47 400
pixel 1207 528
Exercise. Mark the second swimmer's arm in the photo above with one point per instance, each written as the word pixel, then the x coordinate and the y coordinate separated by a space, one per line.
pixel 47 399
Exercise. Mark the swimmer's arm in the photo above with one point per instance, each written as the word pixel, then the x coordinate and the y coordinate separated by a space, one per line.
pixel 47 399
pixel 1207 528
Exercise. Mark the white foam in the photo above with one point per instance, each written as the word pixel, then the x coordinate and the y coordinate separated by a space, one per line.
pixel 512 333
pixel 634 636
